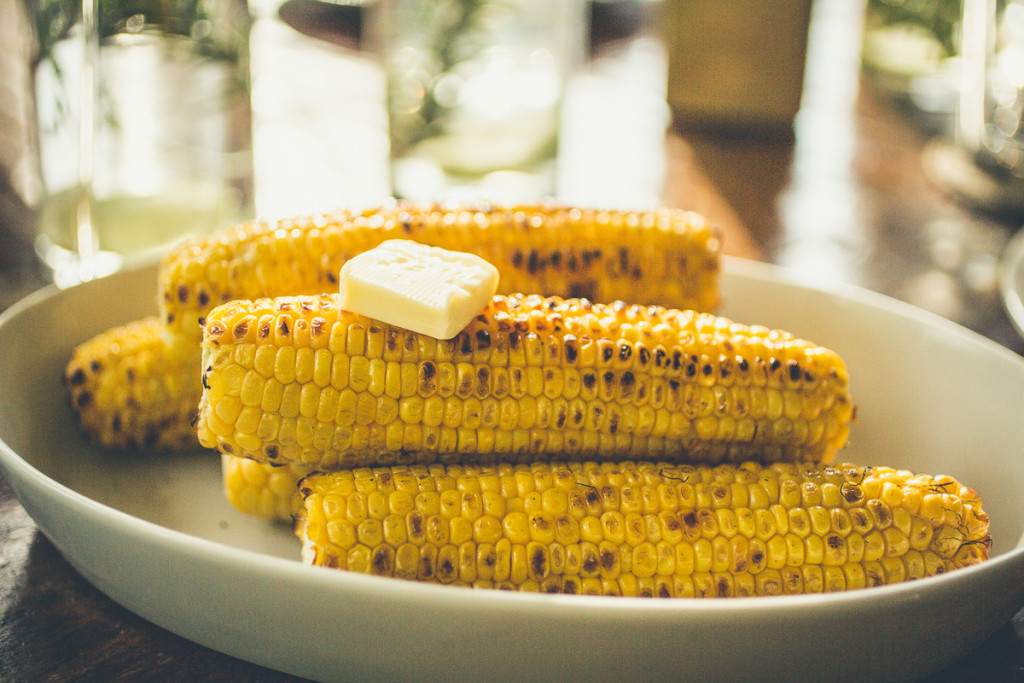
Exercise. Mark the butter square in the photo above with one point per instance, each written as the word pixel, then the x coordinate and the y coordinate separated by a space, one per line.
pixel 425 289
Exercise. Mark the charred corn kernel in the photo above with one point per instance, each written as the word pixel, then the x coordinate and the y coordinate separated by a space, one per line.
pixel 605 426
pixel 133 388
pixel 614 551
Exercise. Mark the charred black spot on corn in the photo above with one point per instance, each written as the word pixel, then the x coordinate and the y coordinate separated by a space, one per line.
pixel 851 492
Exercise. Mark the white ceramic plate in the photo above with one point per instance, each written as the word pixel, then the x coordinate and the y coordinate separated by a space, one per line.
pixel 155 534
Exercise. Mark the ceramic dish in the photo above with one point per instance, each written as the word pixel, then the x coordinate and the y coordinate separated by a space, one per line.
pixel 155 534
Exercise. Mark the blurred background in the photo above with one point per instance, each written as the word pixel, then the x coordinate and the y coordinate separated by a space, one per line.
pixel 874 142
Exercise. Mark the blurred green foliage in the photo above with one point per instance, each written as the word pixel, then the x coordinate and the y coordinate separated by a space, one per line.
pixel 941 18
pixel 55 19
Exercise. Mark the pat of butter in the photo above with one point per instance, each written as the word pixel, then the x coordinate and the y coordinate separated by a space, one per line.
pixel 424 289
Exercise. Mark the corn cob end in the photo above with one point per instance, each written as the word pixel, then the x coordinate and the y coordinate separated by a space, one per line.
pixel 133 388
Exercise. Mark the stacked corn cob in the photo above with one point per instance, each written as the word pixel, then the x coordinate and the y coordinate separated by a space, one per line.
pixel 643 529
pixel 437 460
pixel 298 379
pixel 404 455
pixel 135 386
pixel 144 393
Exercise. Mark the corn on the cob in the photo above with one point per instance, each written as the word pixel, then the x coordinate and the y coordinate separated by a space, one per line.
pixel 298 379
pixel 665 256
pixel 133 388
pixel 266 491
pixel 643 529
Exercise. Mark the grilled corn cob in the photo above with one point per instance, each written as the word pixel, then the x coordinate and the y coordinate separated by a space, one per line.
pixel 262 490
pixel 643 529
pixel 298 379
pixel 668 256
pixel 132 387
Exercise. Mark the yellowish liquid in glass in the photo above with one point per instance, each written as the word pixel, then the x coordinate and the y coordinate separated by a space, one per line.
pixel 129 226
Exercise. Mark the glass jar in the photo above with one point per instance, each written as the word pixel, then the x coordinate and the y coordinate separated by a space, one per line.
pixel 474 93
pixel 144 124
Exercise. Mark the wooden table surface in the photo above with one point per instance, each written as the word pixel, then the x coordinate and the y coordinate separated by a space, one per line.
pixel 856 201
